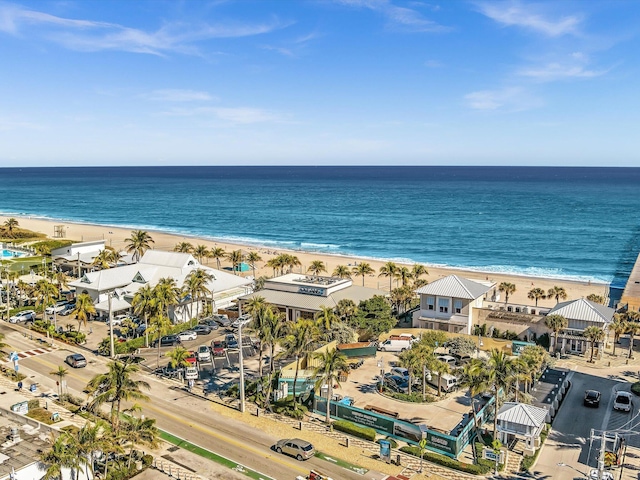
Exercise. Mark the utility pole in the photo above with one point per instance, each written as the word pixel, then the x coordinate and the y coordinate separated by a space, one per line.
pixel 112 351
pixel 241 323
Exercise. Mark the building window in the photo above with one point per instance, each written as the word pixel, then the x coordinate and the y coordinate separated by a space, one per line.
pixel 443 305
pixel 431 303
pixel 457 306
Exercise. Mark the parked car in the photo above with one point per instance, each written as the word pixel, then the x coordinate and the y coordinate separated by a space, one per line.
pixel 202 329
pixel 168 341
pixel 396 383
pixel 217 347
pixel 592 398
pixel 401 372
pixel 623 402
pixel 68 308
pixel 300 449
pixel 23 316
pixel 58 307
pixel 204 353
pixel 222 320
pixel 76 360
pixel 187 335
pixel 118 319
pixel 231 340
pixel 192 357
pixel 211 323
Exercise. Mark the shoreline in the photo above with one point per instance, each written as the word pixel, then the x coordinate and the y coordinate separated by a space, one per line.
pixel 260 245
pixel 165 240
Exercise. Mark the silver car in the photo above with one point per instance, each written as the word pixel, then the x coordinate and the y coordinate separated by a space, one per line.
pixel 187 335
pixel 300 449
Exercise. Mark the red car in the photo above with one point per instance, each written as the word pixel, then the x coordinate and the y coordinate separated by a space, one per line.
pixel 192 358
pixel 217 347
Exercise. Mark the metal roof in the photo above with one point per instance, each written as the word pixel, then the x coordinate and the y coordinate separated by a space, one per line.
pixel 522 414
pixel 454 287
pixel 167 259
pixel 582 309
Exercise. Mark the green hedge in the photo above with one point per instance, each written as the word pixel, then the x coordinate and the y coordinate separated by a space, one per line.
pixel 446 461
pixel 132 345
pixel 414 397
pixel 355 430
pixel 635 388
pixel 393 443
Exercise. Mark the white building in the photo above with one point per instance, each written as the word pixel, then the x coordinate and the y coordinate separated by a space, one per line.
pixel 521 421
pixel 581 314
pixel 122 283
pixel 447 304
pixel 77 256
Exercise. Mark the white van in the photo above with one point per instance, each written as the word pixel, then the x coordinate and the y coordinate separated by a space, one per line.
pixel 191 373
pixel 448 359
pixel 448 383
pixel 393 345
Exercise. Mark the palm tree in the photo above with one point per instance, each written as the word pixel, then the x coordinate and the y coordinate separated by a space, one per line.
pixel 595 298
pixel 325 319
pixel 107 258
pixel 88 440
pixel 440 368
pixel 362 270
pixel 341 271
pixel 46 292
pixel 183 247
pixel 144 304
pixel 389 269
pixel 317 267
pixel 139 431
pixel 291 261
pixel 331 364
pixel 138 243
pixel 115 386
pixel 236 257
pixel 60 456
pixel 178 357
pixel 594 335
pixel 296 344
pixel 413 362
pixel 166 294
pixel 200 252
pixel 536 294
pixel 62 281
pixel 274 263
pixel 9 225
pixel 556 323
pixel 196 285
pixel 508 289
pixel 633 328
pixel 84 309
pixel 61 372
pixel 618 327
pixel 160 325
pixel 404 274
pixel 475 377
pixel 253 257
pixel 557 293
pixel 217 253
pixel 272 328
pixel 346 310
pixel 500 374
pixel 418 270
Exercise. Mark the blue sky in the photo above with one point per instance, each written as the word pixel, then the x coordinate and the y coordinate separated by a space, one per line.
pixel 449 82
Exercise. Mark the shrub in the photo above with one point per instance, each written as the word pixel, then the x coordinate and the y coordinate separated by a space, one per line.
pixel 147 460
pixel 356 430
pixel 529 460
pixel 544 341
pixel 635 388
pixel 446 461
pixel 415 397
pixel 33 404
pixel 393 443
pixel 287 407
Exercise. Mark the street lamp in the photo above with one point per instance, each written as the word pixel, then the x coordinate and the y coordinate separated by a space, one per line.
pixel 242 322
pixel 112 350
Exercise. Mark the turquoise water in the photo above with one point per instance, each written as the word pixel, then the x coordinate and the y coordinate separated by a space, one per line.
pixel 575 223
pixel 11 254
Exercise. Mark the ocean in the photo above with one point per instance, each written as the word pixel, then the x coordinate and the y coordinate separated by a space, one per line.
pixel 572 223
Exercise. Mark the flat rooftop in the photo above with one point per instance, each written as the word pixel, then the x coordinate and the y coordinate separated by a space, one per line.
pixel 309 280
pixel 23 453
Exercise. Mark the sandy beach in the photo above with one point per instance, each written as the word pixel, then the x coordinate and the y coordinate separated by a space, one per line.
pixel 115 237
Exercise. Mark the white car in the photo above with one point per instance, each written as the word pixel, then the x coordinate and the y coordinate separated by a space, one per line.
pixel 118 319
pixel 204 353
pixel 187 335
pixel 58 307
pixel 623 402
pixel 23 316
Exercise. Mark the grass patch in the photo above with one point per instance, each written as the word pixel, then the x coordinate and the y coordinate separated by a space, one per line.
pixel 433 457
pixel 529 460
pixel 356 430
pixel 342 463
pixel 41 415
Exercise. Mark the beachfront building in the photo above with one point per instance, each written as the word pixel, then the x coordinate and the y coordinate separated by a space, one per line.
pixel 581 314
pixel 302 296
pixel 77 257
pixel 117 286
pixel 519 421
pixel 448 304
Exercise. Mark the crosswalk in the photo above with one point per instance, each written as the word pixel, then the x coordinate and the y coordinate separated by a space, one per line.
pixel 627 424
pixel 35 351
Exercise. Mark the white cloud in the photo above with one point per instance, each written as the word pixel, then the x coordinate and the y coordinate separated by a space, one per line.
pixel 177 95
pixel 433 64
pixel 507 99
pixel 515 14
pixel 231 115
pixel 558 71
pixel 398 16
pixel 87 35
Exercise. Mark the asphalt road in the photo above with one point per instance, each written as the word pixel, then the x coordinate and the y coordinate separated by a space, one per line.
pixel 180 414
pixel 569 452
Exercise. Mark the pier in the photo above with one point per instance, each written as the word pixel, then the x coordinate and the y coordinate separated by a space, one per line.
pixel 631 294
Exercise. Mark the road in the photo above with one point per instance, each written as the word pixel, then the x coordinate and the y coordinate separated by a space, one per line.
pixel 567 453
pixel 180 414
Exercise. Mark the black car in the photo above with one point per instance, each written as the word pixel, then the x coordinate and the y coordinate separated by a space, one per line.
pixel 169 341
pixel 202 329
pixel 592 398
pixel 211 323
